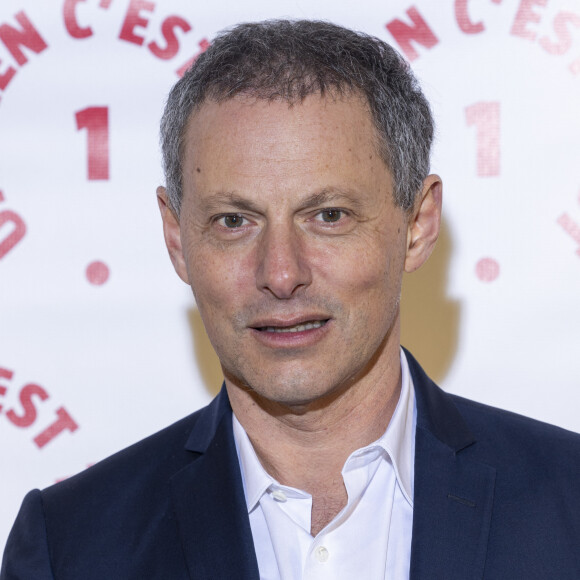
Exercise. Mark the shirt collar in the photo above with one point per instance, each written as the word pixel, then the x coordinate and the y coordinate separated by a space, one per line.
pixel 255 478
pixel 399 438
pixel 398 441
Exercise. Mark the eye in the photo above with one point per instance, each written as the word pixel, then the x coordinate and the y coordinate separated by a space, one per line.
pixel 231 220
pixel 331 215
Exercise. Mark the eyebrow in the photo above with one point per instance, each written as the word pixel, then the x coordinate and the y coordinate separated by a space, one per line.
pixel 325 196
pixel 216 202
pixel 331 196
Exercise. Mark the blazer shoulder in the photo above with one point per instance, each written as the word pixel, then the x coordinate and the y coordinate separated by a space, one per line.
pixel 96 522
pixel 487 417
pixel 511 442
pixel 147 465
pixel 518 440
pixel 464 423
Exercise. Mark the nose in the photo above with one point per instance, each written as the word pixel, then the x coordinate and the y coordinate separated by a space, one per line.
pixel 282 266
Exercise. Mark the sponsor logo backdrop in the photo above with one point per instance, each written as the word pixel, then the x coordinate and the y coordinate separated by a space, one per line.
pixel 100 344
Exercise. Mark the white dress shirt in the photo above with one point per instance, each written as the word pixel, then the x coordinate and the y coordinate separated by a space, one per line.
pixel 370 539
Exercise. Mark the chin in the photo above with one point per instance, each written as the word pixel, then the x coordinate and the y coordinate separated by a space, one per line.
pixel 296 391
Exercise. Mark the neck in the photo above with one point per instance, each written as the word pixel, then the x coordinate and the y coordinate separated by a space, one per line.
pixel 290 441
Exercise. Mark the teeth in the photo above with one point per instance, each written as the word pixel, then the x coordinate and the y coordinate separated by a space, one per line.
pixel 297 327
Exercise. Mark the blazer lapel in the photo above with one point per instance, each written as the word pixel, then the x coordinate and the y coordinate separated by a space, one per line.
pixel 209 502
pixel 453 494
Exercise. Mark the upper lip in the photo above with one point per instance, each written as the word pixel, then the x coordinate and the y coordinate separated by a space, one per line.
pixel 279 322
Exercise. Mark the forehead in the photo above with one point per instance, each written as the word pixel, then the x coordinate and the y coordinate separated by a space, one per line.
pixel 244 143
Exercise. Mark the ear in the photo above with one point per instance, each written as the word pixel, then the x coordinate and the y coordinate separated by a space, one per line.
pixel 172 234
pixel 424 222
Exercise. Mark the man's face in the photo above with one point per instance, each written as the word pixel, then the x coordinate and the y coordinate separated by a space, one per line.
pixel 292 244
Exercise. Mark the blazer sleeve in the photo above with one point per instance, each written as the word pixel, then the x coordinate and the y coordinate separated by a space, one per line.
pixel 26 554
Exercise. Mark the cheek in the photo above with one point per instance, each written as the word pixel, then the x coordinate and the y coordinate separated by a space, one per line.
pixel 219 278
pixel 371 265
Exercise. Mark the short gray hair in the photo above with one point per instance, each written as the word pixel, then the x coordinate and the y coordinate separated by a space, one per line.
pixel 289 60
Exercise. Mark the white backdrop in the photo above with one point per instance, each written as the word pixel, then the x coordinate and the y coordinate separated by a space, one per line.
pixel 100 343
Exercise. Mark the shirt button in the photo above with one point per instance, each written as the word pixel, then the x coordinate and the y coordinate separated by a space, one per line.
pixel 321 554
pixel 279 495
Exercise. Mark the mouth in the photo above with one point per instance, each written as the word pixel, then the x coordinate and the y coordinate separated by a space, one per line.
pixel 303 326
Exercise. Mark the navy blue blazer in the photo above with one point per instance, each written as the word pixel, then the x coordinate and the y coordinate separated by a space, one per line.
pixel 497 496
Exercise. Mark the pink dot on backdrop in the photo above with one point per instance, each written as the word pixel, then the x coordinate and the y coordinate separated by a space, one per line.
pixel 487 269
pixel 97 273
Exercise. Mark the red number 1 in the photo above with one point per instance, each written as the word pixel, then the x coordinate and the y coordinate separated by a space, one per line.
pixel 485 117
pixel 96 121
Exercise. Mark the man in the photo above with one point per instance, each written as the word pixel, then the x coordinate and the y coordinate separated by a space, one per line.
pixel 297 157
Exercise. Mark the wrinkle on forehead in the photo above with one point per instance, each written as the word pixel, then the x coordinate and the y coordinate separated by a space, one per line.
pixel 272 146
pixel 211 113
